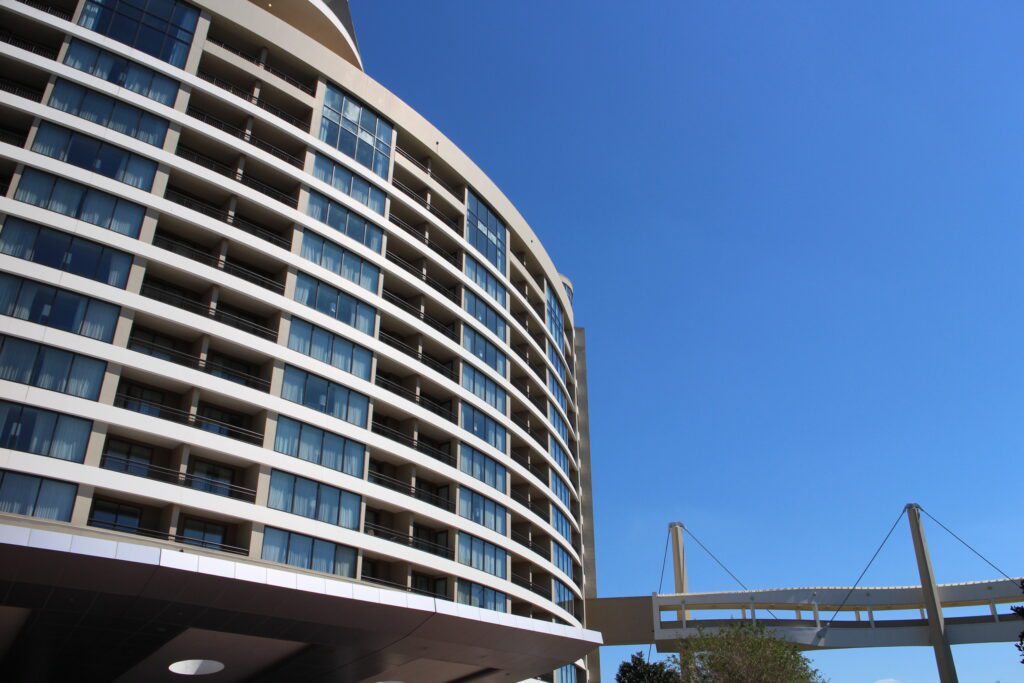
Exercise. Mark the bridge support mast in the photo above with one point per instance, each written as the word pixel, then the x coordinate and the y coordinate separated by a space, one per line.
pixel 936 623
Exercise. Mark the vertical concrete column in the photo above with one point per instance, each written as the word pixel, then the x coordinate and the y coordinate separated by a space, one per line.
pixel 83 505
pixel 930 593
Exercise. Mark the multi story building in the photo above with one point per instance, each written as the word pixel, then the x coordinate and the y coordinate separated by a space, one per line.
pixel 289 390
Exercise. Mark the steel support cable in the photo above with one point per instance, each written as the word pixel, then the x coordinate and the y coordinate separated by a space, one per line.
pixel 968 546
pixel 870 562
pixel 734 577
pixel 661 582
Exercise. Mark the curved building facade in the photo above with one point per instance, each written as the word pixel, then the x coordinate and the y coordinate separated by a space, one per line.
pixel 264 323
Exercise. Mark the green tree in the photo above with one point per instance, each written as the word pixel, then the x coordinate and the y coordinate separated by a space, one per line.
pixel 639 670
pixel 742 653
pixel 1019 611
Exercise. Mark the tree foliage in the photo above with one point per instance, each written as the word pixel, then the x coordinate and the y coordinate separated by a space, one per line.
pixel 639 670
pixel 1019 611
pixel 743 653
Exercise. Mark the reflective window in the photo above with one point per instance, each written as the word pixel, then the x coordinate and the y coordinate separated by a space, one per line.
pixel 556 319
pixel 94 155
pixel 331 213
pixel 482 555
pixel 78 201
pixel 474 594
pixel 327 397
pixel 313 444
pixel 23 494
pixel 561 428
pixel 58 308
pixel 347 182
pixel 43 432
pixel 561 524
pixel 60 250
pixel 318 343
pixel 556 391
pixel 557 362
pixel 356 130
pixel 482 510
pixel 204 534
pixel 305 552
pixel 479 309
pixel 334 303
pixel 161 28
pixel 48 367
pixel 107 514
pixel 486 280
pixel 560 489
pixel 479 424
pixel 106 111
pixel 120 71
pixel 486 232
pixel 561 558
pixel 484 387
pixel 479 466
pixel 565 674
pixel 126 456
pixel 477 344
pixel 564 597
pixel 314 500
pixel 558 454
pixel 334 258
pixel 211 477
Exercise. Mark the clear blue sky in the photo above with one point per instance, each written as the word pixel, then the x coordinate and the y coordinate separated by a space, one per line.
pixel 795 230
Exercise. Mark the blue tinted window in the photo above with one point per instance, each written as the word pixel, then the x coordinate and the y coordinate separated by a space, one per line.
pixel 78 201
pixel 561 524
pixel 479 466
pixel 56 249
pixel 312 499
pixel 486 280
pixel 347 182
pixel 477 344
pixel 479 309
pixel 560 488
pixel 486 232
pixel 334 258
pixel 59 308
pixel 316 445
pixel 564 597
pixel 331 213
pixel 120 71
pixel 561 558
pixel 23 494
pixel 316 342
pixel 556 361
pixel 43 432
pixel 334 303
pixel 483 387
pixel 106 111
pixel 480 554
pixel 556 391
pixel 48 367
pixel 479 424
pixel 561 428
pixel 474 594
pixel 558 453
pixel 161 28
pixel 482 510
pixel 305 552
pixel 556 318
pixel 324 396
pixel 93 155
pixel 356 130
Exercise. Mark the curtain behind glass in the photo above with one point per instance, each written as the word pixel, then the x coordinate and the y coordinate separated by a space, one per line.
pixel 18 493
pixel 275 545
pixel 56 498
pixel 70 438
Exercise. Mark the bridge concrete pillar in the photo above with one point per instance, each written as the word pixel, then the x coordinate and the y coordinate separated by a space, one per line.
pixel 930 593
pixel 682 583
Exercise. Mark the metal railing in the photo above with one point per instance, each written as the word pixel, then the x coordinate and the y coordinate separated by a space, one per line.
pixel 537 588
pixel 159 294
pixel 410 490
pixel 31 46
pixel 11 138
pixel 167 475
pixel 434 365
pixel 207 424
pixel 234 174
pixel 258 101
pixel 166 536
pixel 234 220
pixel 245 136
pixel 263 65
pixel 389 534
pixel 189 252
pixel 49 9
pixel 437 179
pixel 415 444
pixel 197 363
pixel 418 234
pixel 447 292
pixel 437 213
pixel 20 90
pixel 447 330
pixel 523 540
pixel 410 395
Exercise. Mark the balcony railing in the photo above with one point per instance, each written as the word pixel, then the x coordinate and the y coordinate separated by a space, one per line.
pixel 12 138
pixel 539 548
pixel 258 101
pixel 447 292
pixel 245 136
pixel 405 439
pixel 207 424
pixel 118 463
pixel 166 536
pixel 418 234
pixel 437 213
pixel 263 65
pixel 437 179
pixel 402 587
pixel 190 252
pixel 49 9
pixel 212 211
pixel 408 394
pixel 193 306
pixel 20 90
pixel 537 588
pixel 236 175
pixel 447 330
pixel 195 362
pixel 397 343
pixel 31 46
pixel 409 490
pixel 408 540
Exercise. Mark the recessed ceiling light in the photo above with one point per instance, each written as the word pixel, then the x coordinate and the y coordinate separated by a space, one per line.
pixel 196 667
